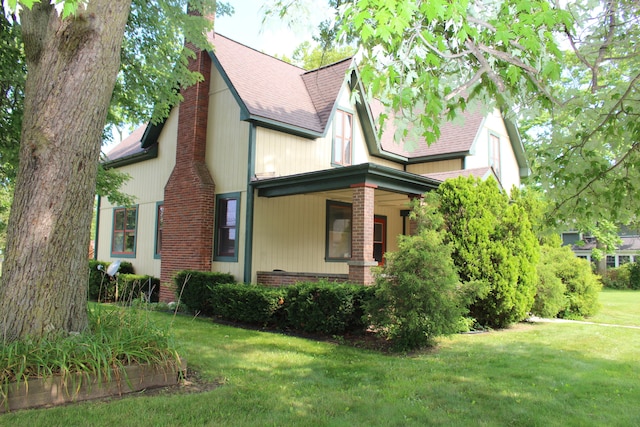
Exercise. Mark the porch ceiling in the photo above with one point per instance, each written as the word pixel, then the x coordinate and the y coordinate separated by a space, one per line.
pixel 385 178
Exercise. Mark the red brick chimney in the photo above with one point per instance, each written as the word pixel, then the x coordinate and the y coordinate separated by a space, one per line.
pixel 189 196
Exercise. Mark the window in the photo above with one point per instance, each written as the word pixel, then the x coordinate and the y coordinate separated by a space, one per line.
pixel 338 236
pixel 342 136
pixel 494 154
pixel 226 234
pixel 159 225
pixel 611 261
pixel 123 241
pixel 624 259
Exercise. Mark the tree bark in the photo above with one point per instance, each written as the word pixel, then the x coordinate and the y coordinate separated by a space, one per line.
pixel 72 65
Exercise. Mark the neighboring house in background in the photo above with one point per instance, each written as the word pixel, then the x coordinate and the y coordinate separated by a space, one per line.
pixel 582 246
pixel 271 173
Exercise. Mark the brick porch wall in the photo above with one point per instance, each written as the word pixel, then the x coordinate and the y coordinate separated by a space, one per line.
pixel 285 278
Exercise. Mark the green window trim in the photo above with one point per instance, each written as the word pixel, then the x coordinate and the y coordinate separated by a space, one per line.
pixel 124 232
pixel 159 225
pixel 495 159
pixel 339 220
pixel 227 227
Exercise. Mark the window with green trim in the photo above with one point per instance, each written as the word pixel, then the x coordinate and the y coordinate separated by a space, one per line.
pixel 338 237
pixel 342 138
pixel 159 226
pixel 226 233
pixel 123 241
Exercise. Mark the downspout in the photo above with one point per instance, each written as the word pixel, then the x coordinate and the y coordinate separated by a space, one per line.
pixel 95 238
pixel 248 237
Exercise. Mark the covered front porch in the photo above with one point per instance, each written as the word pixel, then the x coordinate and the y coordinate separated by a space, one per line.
pixel 339 222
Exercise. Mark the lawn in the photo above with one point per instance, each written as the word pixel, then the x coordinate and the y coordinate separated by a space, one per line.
pixel 547 374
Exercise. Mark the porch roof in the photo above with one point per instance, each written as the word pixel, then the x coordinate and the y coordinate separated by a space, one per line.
pixel 382 177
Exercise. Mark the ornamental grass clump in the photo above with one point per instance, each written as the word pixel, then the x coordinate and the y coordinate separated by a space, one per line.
pixel 117 337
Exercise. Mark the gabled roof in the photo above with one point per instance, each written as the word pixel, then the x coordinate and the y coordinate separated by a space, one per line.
pixel 456 136
pixel 279 95
pixel 275 92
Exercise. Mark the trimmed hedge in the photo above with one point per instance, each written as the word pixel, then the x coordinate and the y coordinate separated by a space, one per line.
pixel 100 285
pixel 192 288
pixel 326 308
pixel 253 304
pixel 323 307
pixel 133 286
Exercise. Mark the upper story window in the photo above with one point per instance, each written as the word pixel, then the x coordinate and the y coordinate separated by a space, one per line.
pixel 226 233
pixel 123 240
pixel 342 138
pixel 494 154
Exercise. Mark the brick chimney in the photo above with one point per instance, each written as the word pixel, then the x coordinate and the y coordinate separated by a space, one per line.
pixel 189 196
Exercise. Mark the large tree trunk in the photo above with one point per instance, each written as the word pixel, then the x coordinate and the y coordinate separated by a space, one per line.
pixel 72 66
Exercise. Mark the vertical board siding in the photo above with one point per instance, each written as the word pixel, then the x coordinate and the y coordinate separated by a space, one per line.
pixel 227 140
pixel 435 167
pixel 147 182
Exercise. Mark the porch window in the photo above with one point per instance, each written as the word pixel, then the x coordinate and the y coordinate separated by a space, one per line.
pixel 494 153
pixel 342 138
pixel 123 239
pixel 159 225
pixel 226 233
pixel 338 238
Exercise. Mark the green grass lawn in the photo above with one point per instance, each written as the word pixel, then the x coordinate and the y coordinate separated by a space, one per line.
pixel 550 374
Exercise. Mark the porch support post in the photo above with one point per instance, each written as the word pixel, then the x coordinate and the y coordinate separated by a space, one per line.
pixel 362 234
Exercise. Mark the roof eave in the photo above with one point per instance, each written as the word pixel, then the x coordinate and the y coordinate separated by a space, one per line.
pixel 146 154
pixel 340 178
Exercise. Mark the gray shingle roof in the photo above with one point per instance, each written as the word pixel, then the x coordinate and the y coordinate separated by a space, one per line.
pixel 129 146
pixel 275 90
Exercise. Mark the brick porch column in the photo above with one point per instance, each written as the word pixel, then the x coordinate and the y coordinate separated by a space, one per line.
pixel 362 234
pixel 189 195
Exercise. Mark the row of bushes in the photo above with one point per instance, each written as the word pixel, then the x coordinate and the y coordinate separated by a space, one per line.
pixel 125 286
pixel 319 307
pixel 626 276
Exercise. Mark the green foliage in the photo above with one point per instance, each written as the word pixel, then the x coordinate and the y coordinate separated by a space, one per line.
pixel 134 286
pixel 324 307
pixel 618 278
pixel 626 276
pixel 416 294
pixel 494 249
pixel 550 296
pixel 428 60
pixel 586 147
pixel 101 287
pixel 634 276
pixel 116 338
pixel 581 285
pixel 311 57
pixel 193 288
pixel 254 304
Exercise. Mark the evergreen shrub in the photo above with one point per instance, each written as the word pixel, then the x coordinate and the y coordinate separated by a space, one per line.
pixel 326 307
pixel 254 304
pixel 192 288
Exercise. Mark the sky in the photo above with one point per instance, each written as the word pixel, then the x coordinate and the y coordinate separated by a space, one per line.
pixel 275 36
